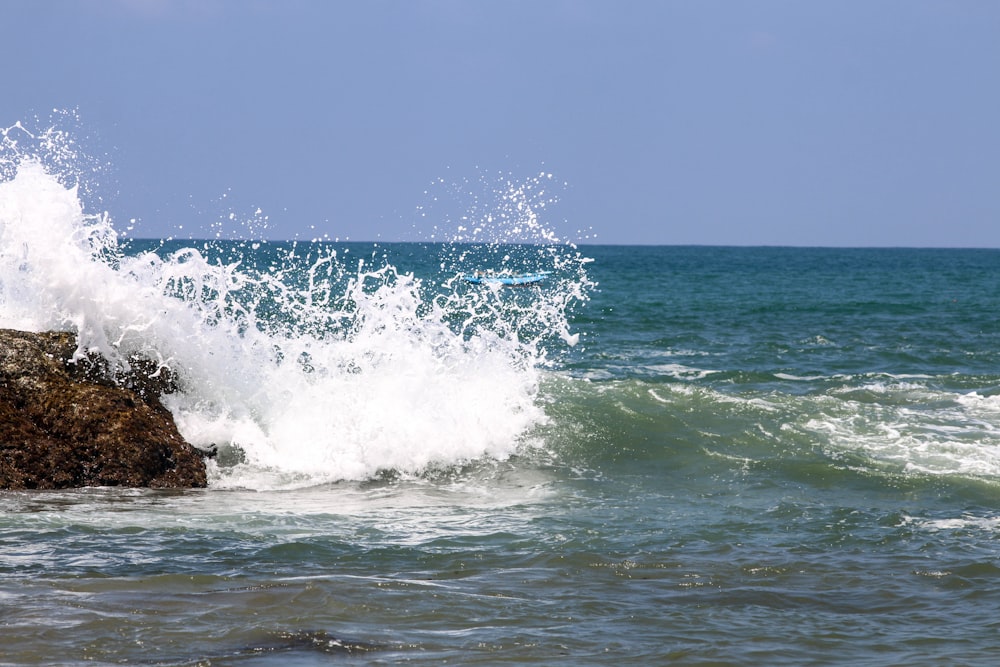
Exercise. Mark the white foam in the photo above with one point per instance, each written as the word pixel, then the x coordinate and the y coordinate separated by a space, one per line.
pixel 360 373
pixel 915 430
pixel 679 371
pixel 990 524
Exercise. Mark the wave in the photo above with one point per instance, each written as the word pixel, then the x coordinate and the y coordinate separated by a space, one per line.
pixel 300 363
pixel 854 425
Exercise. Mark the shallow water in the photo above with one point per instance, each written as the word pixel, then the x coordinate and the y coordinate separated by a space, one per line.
pixel 703 563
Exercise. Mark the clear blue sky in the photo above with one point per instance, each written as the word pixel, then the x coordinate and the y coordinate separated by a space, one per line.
pixel 778 122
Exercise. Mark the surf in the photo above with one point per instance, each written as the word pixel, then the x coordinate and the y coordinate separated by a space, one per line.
pixel 297 363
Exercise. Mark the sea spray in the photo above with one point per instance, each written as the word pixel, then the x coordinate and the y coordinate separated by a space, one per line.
pixel 297 363
pixel 497 221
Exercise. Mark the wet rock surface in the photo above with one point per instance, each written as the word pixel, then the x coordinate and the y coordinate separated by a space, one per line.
pixel 66 424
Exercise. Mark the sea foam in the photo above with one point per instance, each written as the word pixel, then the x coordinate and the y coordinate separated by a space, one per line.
pixel 310 370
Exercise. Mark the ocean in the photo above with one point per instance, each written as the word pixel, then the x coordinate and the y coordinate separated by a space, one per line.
pixel 656 456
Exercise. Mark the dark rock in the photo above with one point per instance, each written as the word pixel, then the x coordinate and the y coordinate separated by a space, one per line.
pixel 66 424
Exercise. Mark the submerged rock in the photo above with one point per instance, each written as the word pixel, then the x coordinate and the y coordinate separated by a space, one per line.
pixel 66 424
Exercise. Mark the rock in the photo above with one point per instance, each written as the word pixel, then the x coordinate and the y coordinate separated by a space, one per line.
pixel 66 425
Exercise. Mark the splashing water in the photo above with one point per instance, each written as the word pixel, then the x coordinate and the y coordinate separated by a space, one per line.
pixel 298 366
pixel 502 229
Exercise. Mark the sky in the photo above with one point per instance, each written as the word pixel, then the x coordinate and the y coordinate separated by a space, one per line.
pixel 673 122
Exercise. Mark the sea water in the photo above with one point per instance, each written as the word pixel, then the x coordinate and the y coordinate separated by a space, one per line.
pixel 661 455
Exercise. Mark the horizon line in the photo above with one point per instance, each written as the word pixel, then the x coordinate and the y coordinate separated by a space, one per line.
pixel 171 239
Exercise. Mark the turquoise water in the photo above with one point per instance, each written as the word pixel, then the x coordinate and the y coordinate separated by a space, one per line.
pixel 750 456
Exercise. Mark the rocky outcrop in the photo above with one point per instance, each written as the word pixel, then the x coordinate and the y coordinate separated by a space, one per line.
pixel 65 424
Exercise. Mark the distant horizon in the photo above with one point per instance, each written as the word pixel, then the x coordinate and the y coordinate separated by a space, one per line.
pixel 175 239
